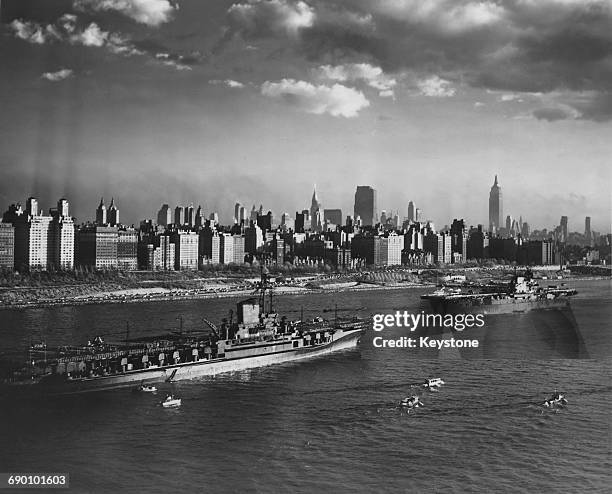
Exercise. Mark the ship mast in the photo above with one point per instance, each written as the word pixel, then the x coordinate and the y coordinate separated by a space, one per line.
pixel 263 286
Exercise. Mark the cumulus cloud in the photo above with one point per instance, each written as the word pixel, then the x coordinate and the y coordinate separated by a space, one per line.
pixel 90 36
pixel 227 82
pixel 512 47
pixel 373 76
pixel 64 30
pixel 60 75
pixel 271 17
pixel 68 29
pixel 149 12
pixel 445 16
pixel 33 32
pixel 436 87
pixel 337 100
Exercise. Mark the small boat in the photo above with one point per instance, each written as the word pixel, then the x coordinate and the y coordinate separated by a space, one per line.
pixel 147 389
pixel 411 402
pixel 555 399
pixel 171 402
pixel 433 383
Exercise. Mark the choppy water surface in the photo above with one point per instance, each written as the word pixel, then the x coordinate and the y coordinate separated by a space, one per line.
pixel 332 423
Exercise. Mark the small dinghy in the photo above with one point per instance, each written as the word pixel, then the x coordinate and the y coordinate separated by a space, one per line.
pixel 556 399
pixel 171 402
pixel 411 402
pixel 147 389
pixel 434 383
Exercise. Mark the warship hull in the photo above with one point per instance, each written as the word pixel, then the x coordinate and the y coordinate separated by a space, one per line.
pixel 489 305
pixel 270 354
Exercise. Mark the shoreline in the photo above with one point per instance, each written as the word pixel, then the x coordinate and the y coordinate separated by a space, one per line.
pixel 176 295
pixel 108 295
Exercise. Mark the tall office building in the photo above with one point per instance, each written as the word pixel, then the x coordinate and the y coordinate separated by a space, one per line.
pixel 97 246
pixel 239 243
pixel 333 216
pixel 33 237
pixel 179 216
pixel 164 215
pixel 226 255
pixel 242 215
pixel 200 219
pixel 254 239
pixel 418 215
pixel 7 246
pixel 587 229
pixel 495 206
pixel 186 254
pixel 127 249
pixel 113 213
pixel 62 236
pixel 209 246
pixel 411 211
pixel 563 229
pixel 365 205
pixel 32 206
pixel 316 212
pixel 287 222
pixel 167 253
pixel 101 213
pixel 237 207
pixel 63 207
pixel 190 215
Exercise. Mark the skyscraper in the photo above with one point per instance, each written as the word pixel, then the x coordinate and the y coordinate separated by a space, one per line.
pixel 316 213
pixel 101 213
pixel 587 229
pixel 333 216
pixel 62 237
pixel 7 246
pixel 32 206
pixel 495 207
pixel 63 207
pixel 190 215
pixel 563 229
pixel 418 215
pixel 164 216
pixel 365 205
pixel 113 213
pixel 200 219
pixel 411 211
pixel 179 216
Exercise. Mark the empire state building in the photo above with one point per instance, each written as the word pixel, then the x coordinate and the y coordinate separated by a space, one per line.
pixel 496 212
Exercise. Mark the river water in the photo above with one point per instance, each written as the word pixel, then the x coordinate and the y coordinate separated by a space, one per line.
pixel 332 423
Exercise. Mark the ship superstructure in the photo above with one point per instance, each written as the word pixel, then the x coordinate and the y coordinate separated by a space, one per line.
pixel 522 294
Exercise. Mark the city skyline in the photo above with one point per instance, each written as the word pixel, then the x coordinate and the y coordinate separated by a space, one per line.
pixel 177 102
pixel 168 214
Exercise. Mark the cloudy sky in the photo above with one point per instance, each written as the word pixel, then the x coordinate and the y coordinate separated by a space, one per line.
pixel 210 102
